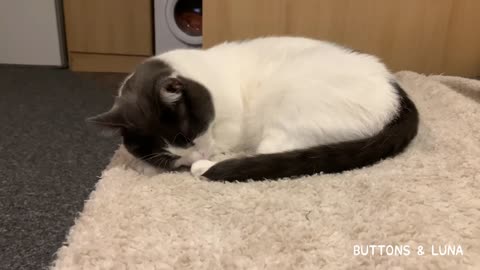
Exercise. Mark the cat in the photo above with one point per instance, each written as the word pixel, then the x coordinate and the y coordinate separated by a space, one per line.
pixel 295 106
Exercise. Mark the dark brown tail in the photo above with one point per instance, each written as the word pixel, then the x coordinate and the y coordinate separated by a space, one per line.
pixel 332 158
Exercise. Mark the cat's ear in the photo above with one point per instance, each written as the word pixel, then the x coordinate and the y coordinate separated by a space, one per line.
pixel 110 123
pixel 170 90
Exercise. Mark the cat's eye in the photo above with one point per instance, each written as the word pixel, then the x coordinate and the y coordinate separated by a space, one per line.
pixel 182 141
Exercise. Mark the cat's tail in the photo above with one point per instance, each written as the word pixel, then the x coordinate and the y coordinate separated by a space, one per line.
pixel 332 158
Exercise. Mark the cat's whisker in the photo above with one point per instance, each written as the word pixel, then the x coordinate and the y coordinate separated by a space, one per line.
pixel 135 160
pixel 153 155
pixel 167 160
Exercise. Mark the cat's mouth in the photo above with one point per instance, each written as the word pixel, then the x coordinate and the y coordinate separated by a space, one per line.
pixel 171 162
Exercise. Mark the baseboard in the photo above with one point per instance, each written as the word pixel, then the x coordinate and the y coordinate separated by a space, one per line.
pixel 79 61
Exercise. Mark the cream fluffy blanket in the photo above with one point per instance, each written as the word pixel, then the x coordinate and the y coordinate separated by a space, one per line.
pixel 429 195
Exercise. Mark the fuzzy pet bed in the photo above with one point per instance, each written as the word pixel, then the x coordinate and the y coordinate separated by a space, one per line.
pixel 429 195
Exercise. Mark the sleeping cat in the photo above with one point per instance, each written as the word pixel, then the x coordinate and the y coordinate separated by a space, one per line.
pixel 295 106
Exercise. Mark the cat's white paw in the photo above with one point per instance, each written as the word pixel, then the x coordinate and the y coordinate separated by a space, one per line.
pixel 201 166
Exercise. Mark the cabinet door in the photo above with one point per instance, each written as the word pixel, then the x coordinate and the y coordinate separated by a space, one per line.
pixel 427 36
pixel 109 26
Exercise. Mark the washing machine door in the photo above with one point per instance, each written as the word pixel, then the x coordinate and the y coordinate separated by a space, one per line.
pixel 184 19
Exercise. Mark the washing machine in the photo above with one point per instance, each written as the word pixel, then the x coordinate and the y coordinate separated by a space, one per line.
pixel 178 24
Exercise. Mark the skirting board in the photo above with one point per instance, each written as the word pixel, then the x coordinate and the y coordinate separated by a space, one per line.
pixel 103 62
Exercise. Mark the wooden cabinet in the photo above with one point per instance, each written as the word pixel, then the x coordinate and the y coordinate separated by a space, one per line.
pixel 108 35
pixel 428 36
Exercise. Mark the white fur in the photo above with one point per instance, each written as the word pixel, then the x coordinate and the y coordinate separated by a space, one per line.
pixel 282 93
pixel 169 98
pixel 199 167
pixel 120 89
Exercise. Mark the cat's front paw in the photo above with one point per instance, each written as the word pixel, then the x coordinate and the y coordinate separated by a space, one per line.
pixel 201 166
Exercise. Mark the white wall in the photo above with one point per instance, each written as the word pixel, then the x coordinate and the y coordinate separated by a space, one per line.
pixel 29 33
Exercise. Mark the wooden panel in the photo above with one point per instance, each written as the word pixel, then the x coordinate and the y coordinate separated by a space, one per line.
pixel 103 62
pixel 429 36
pixel 109 26
pixel 463 39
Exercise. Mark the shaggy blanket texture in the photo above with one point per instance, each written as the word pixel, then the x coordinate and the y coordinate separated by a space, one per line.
pixel 429 195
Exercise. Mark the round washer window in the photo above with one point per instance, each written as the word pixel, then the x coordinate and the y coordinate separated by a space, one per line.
pixel 184 18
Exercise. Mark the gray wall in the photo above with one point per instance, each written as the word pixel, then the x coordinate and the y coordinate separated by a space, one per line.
pixel 29 33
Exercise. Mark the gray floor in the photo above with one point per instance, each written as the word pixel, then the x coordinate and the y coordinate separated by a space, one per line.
pixel 49 160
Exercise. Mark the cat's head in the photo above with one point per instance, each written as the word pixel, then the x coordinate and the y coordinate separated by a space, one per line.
pixel 162 116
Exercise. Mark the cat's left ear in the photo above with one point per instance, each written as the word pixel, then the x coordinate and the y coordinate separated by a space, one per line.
pixel 171 90
pixel 110 122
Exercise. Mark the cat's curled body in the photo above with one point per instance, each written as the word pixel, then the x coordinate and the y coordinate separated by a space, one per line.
pixel 296 106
